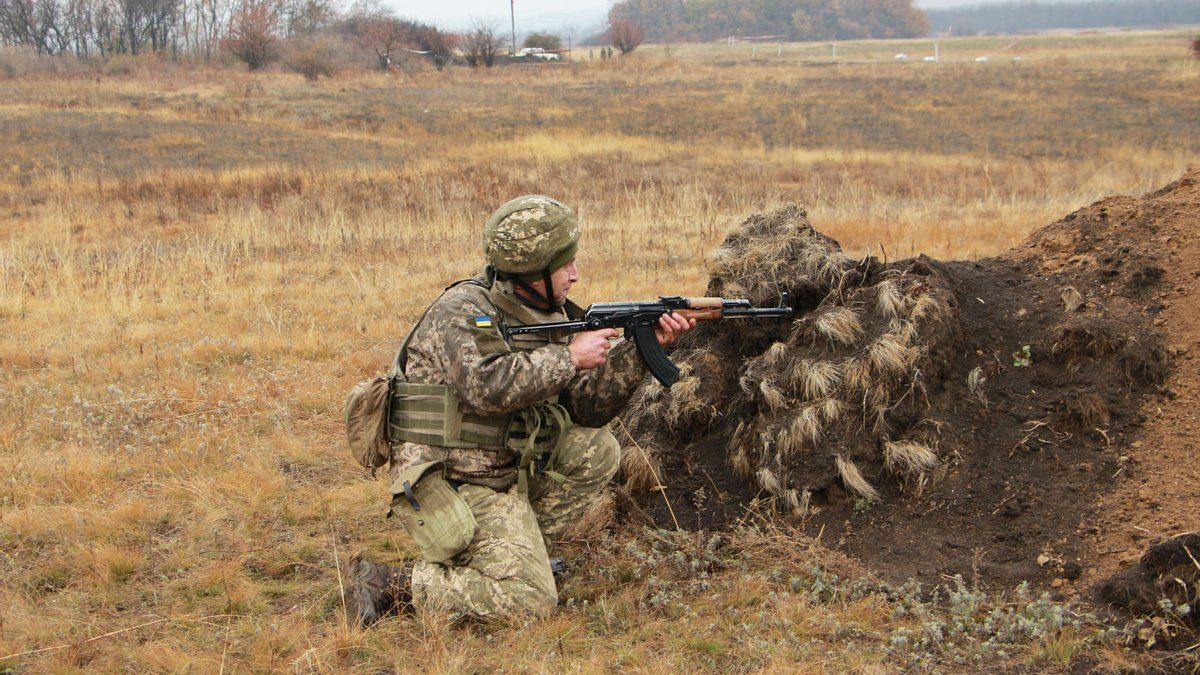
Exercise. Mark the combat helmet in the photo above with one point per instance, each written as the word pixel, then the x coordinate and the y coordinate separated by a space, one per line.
pixel 528 239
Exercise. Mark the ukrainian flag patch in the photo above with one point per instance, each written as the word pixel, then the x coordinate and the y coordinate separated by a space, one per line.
pixel 483 322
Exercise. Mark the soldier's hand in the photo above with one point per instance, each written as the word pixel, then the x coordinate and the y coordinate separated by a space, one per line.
pixel 590 349
pixel 670 327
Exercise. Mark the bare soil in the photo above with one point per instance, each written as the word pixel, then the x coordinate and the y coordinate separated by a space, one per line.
pixel 1058 470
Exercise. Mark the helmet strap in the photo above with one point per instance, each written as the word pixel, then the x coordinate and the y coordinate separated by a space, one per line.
pixel 531 296
pixel 550 298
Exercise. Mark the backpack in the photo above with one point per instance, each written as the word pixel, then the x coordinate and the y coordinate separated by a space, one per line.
pixel 366 421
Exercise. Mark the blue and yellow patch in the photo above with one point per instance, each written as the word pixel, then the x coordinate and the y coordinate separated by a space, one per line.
pixel 483 322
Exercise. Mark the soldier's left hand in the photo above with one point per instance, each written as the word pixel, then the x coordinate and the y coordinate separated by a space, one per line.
pixel 670 327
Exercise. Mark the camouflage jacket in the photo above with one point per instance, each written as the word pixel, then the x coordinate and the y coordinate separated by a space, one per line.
pixel 493 375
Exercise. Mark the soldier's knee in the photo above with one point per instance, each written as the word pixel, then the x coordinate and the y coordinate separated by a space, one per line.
pixel 609 452
pixel 601 453
pixel 522 597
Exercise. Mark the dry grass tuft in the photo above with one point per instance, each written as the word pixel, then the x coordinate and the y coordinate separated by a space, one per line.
pixel 112 564
pixel 977 383
pixel 804 431
pixel 857 378
pixel 776 355
pixel 854 481
pixel 890 301
pixel 639 468
pixel 909 457
pixel 1085 411
pixel 740 461
pixel 832 410
pixel 840 326
pixel 772 397
pixel 598 517
pixel 1072 299
pixel 768 480
pixel 815 379
pixel 889 356
pixel 798 502
pixel 929 309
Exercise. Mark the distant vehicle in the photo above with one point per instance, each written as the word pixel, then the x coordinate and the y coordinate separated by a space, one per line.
pixel 537 54
pixel 901 57
pixel 980 59
pixel 930 58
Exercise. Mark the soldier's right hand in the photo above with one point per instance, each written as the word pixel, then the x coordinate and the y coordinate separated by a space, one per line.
pixel 590 349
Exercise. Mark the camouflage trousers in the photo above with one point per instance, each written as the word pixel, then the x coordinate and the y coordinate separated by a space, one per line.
pixel 506 568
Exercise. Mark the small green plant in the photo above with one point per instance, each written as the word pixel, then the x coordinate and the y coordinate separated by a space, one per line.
pixel 1022 358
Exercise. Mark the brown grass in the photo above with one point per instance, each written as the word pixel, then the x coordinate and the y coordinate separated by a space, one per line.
pixel 195 266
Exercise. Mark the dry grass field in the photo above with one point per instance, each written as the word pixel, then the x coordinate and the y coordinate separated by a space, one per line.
pixel 197 264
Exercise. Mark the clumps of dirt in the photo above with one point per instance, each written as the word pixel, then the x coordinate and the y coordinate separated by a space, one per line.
pixel 928 418
pixel 1165 585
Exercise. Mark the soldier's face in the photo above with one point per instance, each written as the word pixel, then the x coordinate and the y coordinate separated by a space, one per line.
pixel 562 278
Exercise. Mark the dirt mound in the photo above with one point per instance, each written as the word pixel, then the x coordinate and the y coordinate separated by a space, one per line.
pixel 988 418
pixel 1164 584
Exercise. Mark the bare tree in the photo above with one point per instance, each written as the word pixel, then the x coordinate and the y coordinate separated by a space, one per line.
pixel 304 17
pixel 386 35
pixel 625 35
pixel 437 44
pixel 482 45
pixel 252 33
pixel 203 25
pixel 31 23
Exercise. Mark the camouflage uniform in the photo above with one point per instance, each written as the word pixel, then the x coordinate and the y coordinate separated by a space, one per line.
pixel 506 568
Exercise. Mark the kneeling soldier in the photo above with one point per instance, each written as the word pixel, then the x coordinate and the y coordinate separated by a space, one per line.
pixel 503 439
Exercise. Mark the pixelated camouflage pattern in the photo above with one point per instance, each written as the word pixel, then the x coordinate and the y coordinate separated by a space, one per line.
pixel 494 376
pixel 528 233
pixel 506 568
pixel 588 460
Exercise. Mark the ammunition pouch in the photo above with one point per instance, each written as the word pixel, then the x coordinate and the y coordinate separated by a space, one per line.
pixel 436 517
pixel 432 414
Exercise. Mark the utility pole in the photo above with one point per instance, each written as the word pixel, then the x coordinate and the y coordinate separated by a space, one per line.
pixel 513 10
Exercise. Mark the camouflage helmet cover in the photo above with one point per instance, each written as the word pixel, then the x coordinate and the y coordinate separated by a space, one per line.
pixel 530 235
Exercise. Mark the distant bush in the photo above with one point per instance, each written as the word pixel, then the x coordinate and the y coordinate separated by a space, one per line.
pixel 1196 46
pixel 548 41
pixel 313 56
pixel 25 61
pixel 625 35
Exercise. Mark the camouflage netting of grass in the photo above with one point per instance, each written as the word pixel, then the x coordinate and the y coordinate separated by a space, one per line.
pixel 809 407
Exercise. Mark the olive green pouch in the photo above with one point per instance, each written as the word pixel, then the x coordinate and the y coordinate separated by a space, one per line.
pixel 434 514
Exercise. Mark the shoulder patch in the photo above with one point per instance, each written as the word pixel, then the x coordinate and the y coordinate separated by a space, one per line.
pixel 483 321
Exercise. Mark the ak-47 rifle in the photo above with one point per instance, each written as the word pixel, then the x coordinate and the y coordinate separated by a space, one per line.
pixel 641 318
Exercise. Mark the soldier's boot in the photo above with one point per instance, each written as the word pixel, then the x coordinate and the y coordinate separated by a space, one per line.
pixel 374 591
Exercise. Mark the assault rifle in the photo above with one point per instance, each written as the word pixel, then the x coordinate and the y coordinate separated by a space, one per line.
pixel 642 318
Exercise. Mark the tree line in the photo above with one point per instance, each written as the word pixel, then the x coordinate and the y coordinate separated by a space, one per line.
pixel 311 36
pixel 1019 17
pixel 703 20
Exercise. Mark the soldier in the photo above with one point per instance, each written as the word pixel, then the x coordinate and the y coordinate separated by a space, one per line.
pixel 516 428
